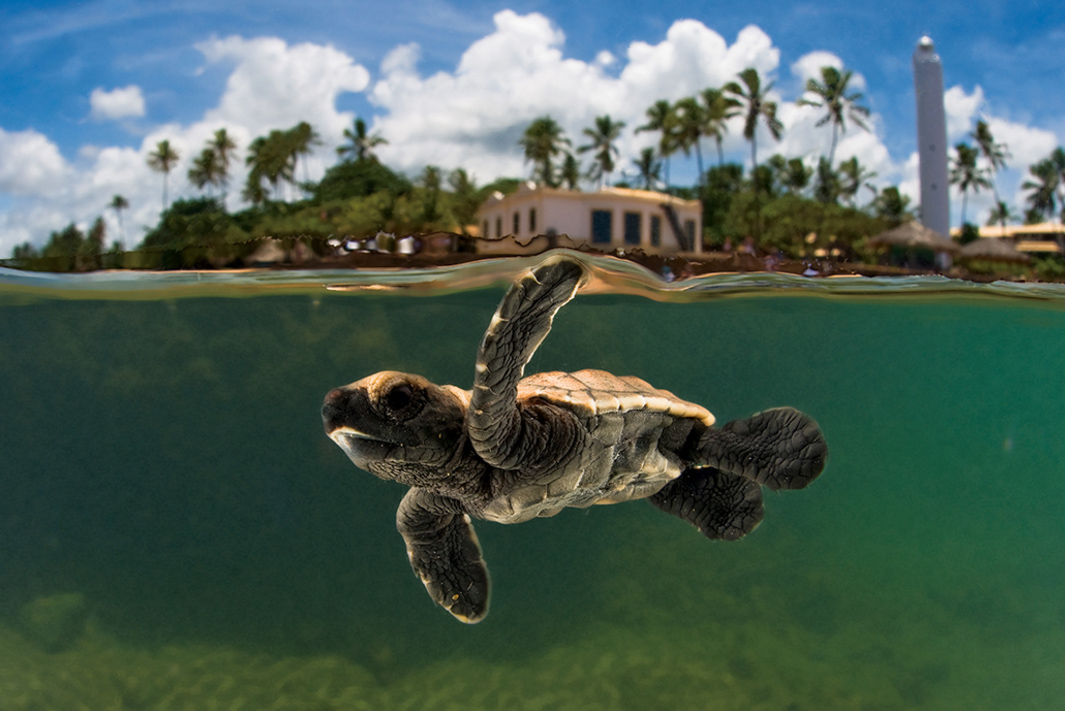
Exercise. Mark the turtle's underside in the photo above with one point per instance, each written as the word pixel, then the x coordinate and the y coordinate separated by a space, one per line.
pixel 515 448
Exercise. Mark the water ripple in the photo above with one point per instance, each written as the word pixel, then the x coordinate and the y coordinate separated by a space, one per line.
pixel 610 275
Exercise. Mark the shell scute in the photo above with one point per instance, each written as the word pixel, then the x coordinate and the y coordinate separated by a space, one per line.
pixel 597 392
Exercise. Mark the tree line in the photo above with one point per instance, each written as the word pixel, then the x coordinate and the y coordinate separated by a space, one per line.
pixel 785 204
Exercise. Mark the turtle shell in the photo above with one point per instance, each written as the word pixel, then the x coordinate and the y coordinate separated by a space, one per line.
pixel 597 392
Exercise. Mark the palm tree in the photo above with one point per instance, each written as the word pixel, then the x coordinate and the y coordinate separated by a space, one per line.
pixel 752 97
pixel 360 143
pixel 718 108
pixel 163 160
pixel 650 168
pixel 570 174
pixel 853 177
pixel 1057 159
pixel 828 186
pixel 269 158
pixel 464 189
pixel 93 246
pixel 994 154
pixel 302 138
pixel 205 170
pixel 966 174
pixel 892 206
pixel 794 176
pixel 839 105
pixel 661 117
pixel 1044 196
pixel 542 141
pixel 223 147
pixel 791 174
pixel 118 204
pixel 689 129
pixel 603 135
pixel 1000 214
pixel 431 180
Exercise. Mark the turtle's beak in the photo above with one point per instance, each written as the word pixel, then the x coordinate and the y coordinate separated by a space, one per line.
pixel 346 417
pixel 335 410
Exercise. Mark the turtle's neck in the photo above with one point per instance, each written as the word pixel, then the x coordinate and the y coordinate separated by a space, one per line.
pixel 464 476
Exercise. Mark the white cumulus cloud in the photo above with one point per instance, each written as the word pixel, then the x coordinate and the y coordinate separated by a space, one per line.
pixel 276 85
pixel 474 116
pixel 125 102
pixel 29 163
pixel 809 65
pixel 962 108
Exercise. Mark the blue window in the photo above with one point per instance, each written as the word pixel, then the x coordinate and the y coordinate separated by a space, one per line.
pixel 602 226
pixel 632 227
pixel 517 222
pixel 532 219
pixel 689 230
pixel 656 230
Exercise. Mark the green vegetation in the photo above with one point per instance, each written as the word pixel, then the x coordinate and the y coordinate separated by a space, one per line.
pixel 795 207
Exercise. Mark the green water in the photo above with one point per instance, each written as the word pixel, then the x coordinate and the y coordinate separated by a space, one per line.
pixel 162 458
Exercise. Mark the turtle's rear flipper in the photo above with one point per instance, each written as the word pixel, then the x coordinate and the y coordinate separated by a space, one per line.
pixel 720 505
pixel 781 448
pixel 444 552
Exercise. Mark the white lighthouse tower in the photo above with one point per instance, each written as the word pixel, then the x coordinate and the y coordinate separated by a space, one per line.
pixel 931 137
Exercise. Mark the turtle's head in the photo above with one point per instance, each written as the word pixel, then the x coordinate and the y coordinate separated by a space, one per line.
pixel 397 426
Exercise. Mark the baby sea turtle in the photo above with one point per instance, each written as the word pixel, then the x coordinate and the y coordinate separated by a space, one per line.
pixel 516 448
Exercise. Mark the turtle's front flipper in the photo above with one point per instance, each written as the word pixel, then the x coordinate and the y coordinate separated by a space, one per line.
pixel 445 553
pixel 720 505
pixel 520 324
pixel 781 448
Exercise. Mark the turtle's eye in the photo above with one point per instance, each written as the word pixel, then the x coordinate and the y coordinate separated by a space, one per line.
pixel 399 398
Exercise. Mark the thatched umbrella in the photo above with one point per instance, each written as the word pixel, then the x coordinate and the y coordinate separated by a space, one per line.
pixel 992 250
pixel 914 235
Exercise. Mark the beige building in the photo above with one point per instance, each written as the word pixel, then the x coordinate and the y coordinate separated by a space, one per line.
pixel 1044 237
pixel 611 218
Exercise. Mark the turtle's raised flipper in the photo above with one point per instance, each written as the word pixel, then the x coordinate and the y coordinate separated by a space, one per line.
pixel 444 552
pixel 520 324
pixel 781 448
pixel 720 505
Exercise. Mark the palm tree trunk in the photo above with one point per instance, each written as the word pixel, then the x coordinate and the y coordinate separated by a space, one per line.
pixel 832 148
pixel 754 156
pixel 994 192
pixel 699 161
pixel 964 196
pixel 720 153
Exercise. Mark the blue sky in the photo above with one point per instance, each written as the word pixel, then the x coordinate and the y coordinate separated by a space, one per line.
pixel 452 83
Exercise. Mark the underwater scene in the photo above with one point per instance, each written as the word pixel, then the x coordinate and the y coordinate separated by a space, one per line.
pixel 177 532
